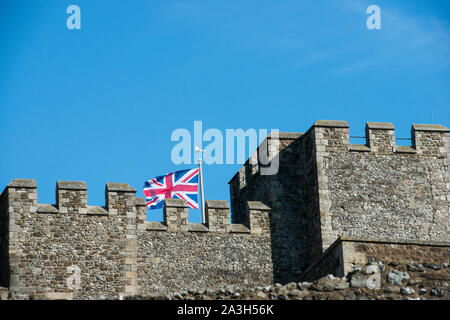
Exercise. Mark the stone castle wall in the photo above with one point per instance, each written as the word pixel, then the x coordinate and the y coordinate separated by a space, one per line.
pixel 327 187
pixel 380 190
pixel 45 244
pixel 291 194
pixel 115 252
pixel 353 269
pixel 348 255
pixel 197 256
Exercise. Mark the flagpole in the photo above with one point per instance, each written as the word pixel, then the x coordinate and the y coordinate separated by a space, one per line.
pixel 201 189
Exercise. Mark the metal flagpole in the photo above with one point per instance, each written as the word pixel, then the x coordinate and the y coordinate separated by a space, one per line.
pixel 197 149
pixel 201 189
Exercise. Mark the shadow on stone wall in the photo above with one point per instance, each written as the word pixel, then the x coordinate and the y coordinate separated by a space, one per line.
pixel 292 196
pixel 4 252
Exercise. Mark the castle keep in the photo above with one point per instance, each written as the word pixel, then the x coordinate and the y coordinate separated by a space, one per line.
pixel 327 187
pixel 332 205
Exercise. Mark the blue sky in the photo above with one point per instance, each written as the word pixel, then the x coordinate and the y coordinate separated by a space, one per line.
pixel 99 104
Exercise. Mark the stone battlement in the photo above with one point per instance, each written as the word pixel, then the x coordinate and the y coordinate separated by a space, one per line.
pixel 120 200
pixel 217 216
pixel 116 252
pixel 426 139
pixel 431 140
pixel 327 187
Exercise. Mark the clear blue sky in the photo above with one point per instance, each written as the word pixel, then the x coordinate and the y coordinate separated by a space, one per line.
pixel 99 104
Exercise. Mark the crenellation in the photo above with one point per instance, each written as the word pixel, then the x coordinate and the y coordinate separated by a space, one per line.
pixel 120 199
pixel 22 196
pixel 71 197
pixel 217 216
pixel 176 216
pixel 258 217
pixel 141 210
pixel 331 135
pixel 380 137
pixel 430 140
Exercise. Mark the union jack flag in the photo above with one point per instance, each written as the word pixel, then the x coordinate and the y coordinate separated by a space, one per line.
pixel 181 184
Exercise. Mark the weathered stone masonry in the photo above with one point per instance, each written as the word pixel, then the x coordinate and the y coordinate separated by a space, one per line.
pixel 327 187
pixel 177 255
pixel 44 240
pixel 117 252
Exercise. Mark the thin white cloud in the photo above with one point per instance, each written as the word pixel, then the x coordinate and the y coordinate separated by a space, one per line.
pixel 403 35
pixel 352 67
pixel 426 39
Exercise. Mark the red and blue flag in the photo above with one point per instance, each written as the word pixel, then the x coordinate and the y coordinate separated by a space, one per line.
pixel 181 184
